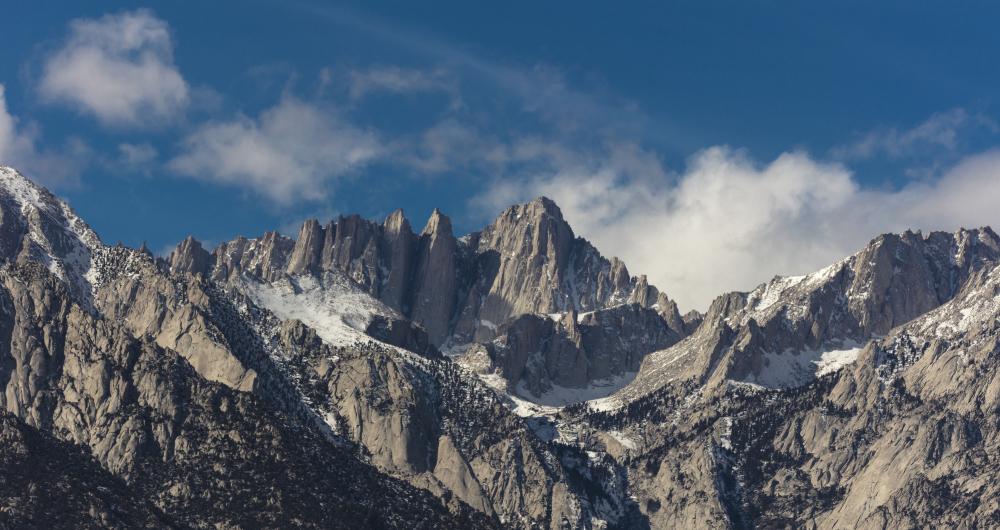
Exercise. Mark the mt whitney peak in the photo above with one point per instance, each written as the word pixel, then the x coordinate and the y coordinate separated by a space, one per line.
pixel 365 375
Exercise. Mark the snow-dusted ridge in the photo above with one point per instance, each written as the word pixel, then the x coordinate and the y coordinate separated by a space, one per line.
pixel 59 238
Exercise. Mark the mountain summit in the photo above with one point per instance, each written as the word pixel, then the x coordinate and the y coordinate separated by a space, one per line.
pixel 363 375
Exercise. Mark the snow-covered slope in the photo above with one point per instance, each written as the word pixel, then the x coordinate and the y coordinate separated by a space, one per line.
pixel 336 307
pixel 43 228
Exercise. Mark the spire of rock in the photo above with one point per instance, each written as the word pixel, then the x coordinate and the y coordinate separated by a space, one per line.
pixel 308 248
pixel 667 309
pixel 437 224
pixel 435 280
pixel 396 222
pixel 189 256
pixel 620 281
pixel 644 294
pixel 398 248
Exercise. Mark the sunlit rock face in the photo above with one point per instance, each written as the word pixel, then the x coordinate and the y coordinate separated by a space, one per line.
pixel 362 375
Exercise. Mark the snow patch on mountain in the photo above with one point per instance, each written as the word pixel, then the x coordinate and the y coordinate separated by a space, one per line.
pixel 334 306
pixel 833 360
pixel 624 440
pixel 560 396
pixel 790 369
pixel 978 307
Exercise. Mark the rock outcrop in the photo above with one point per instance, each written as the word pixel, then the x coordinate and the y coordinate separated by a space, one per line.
pixel 131 398
pixel 574 350
pixel 435 282
pixel 778 334
pixel 278 382
pixel 528 261
pixel 191 257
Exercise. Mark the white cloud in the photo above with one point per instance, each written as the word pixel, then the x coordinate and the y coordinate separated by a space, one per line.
pixel 292 151
pixel 136 156
pixel 118 68
pixel 941 131
pixel 18 149
pixel 451 145
pixel 727 223
pixel 397 80
pixel 15 144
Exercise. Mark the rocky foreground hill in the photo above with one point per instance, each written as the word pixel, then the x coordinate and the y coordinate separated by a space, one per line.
pixel 365 375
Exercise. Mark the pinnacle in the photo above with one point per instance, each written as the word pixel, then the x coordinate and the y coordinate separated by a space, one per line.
pixel 546 205
pixel 438 223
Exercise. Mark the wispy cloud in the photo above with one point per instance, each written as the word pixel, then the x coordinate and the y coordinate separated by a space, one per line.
pixel 138 156
pixel 292 151
pixel 398 80
pixel 19 148
pixel 941 131
pixel 118 68
pixel 540 89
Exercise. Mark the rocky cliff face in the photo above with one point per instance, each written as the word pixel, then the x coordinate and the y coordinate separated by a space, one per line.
pixel 528 261
pixel 572 351
pixel 786 331
pixel 890 432
pixel 435 278
pixel 196 397
pixel 901 438
pixel 461 291
pixel 91 359
pixel 297 382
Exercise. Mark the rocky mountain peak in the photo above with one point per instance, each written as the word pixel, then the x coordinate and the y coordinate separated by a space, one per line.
pixel 863 394
pixel 307 254
pixel 788 329
pixel 528 261
pixel 396 222
pixel 544 206
pixel 438 225
pixel 190 256
pixel 37 226
pixel 436 281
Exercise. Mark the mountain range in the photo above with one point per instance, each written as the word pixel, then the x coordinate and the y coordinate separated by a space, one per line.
pixel 365 375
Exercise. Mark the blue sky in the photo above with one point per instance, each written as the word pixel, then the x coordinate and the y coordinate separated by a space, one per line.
pixel 710 144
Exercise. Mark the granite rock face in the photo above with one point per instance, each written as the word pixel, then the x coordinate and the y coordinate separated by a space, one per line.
pixel 210 410
pixel 461 291
pixel 776 334
pixel 38 469
pixel 733 434
pixel 190 256
pixel 435 278
pixel 528 261
pixel 278 382
pixel 574 350
pixel 116 377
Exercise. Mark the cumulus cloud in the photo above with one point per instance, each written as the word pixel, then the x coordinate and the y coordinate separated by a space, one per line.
pixel 19 149
pixel 290 152
pixel 118 68
pixel 728 223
